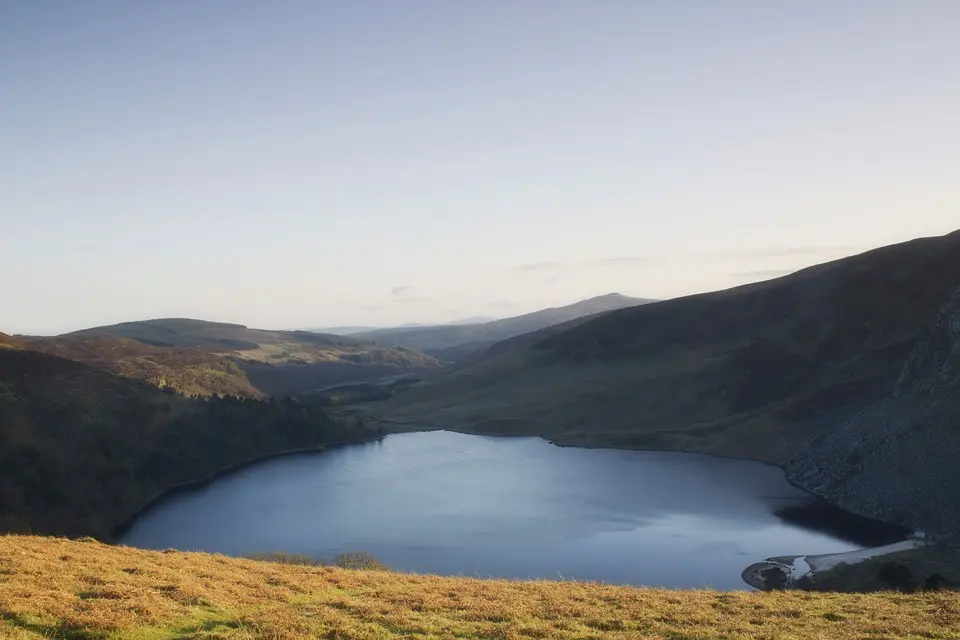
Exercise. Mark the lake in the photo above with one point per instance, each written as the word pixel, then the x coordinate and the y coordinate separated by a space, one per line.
pixel 455 504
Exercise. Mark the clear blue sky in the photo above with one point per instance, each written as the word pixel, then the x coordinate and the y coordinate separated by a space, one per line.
pixel 302 163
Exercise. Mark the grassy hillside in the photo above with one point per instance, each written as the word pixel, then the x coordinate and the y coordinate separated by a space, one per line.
pixel 82 450
pixel 54 588
pixel 755 371
pixel 276 363
pixel 179 332
pixel 7 342
pixel 191 371
pixel 455 342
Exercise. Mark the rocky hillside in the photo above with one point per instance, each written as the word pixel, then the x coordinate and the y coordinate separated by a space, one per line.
pixel 899 460
pixel 756 371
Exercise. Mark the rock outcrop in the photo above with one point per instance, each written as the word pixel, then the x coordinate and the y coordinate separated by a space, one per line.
pixel 899 460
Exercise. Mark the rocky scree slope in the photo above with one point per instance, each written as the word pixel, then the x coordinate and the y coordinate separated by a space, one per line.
pixel 899 460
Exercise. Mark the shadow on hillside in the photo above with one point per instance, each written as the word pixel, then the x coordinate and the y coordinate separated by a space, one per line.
pixel 822 517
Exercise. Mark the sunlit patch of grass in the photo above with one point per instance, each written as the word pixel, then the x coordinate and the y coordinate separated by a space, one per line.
pixel 56 588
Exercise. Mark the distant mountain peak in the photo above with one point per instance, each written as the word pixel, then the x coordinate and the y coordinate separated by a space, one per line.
pixel 456 340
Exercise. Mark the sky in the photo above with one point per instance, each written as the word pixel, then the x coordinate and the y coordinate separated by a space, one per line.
pixel 302 163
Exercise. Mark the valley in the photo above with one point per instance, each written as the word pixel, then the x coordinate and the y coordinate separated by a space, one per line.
pixel 105 430
pixel 480 320
pixel 754 372
pixel 458 342
pixel 196 357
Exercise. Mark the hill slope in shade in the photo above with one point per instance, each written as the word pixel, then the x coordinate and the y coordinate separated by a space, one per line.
pixel 275 362
pixel 900 459
pixel 756 371
pixel 456 341
pixel 53 588
pixel 82 450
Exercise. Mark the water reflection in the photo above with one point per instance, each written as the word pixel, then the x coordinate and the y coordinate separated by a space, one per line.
pixel 450 503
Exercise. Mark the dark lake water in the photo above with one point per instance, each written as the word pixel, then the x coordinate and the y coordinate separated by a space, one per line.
pixel 448 503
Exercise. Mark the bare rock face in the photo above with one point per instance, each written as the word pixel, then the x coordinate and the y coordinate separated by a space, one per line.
pixel 899 460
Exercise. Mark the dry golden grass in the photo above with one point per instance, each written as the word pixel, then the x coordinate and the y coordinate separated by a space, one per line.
pixel 56 588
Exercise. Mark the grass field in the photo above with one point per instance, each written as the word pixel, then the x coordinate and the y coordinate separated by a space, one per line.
pixel 56 588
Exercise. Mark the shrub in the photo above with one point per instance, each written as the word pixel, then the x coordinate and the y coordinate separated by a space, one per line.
pixel 359 560
pixel 283 558
pixel 346 560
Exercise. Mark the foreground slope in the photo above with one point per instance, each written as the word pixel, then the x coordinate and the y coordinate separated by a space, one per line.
pixel 82 450
pixel 54 588
pixel 275 362
pixel 755 371
pixel 455 341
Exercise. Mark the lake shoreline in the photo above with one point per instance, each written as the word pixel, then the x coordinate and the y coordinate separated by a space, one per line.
pixel 769 563
pixel 123 528
pixel 788 572
pixel 577 443
pixel 825 520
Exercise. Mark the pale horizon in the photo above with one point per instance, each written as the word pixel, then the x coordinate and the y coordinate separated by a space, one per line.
pixel 304 164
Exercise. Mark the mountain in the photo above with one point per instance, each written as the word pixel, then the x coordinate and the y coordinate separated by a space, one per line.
pixel 353 330
pixel 757 371
pixel 187 332
pixel 273 362
pixel 454 342
pixel 472 320
pixel 82 450
pixel 342 331
pixel 898 459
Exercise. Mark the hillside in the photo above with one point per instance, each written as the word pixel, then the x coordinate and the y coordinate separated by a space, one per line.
pixel 190 371
pixel 454 342
pixel 55 588
pixel 756 371
pixel 82 450
pixel 7 342
pixel 897 460
pixel 276 363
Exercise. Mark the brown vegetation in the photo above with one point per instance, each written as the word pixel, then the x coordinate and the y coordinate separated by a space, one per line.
pixel 275 363
pixel 190 371
pixel 55 588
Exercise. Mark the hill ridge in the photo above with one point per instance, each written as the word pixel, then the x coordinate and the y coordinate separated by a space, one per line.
pixel 84 450
pixel 457 342
pixel 755 371
pixel 233 358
